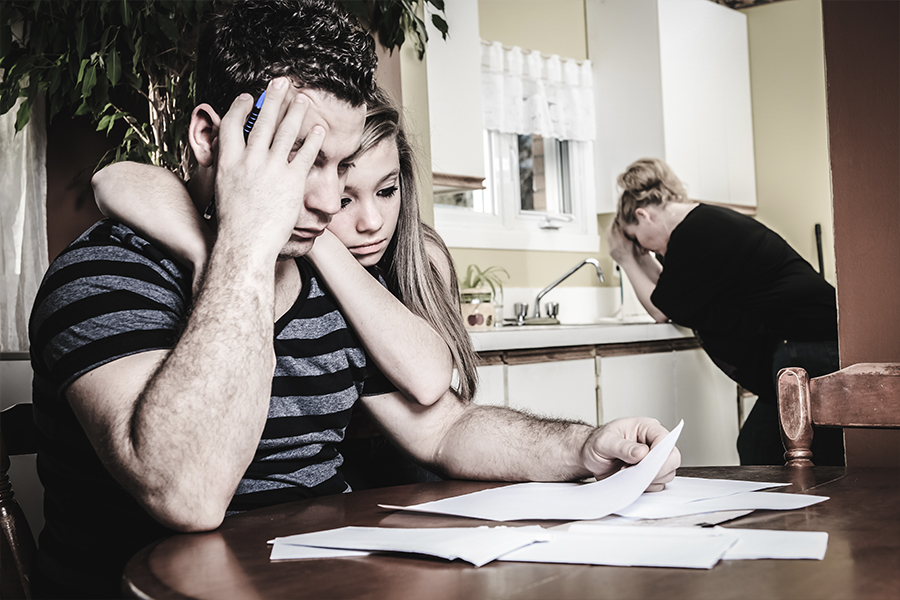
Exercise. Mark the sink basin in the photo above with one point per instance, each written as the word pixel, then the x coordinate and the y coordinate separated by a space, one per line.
pixel 548 322
pixel 541 321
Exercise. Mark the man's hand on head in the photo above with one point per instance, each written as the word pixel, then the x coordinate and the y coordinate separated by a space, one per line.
pixel 625 442
pixel 260 184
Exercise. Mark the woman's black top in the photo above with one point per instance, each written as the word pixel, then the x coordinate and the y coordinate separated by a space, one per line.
pixel 743 289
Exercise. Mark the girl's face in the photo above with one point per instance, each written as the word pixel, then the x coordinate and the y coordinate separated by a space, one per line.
pixel 371 204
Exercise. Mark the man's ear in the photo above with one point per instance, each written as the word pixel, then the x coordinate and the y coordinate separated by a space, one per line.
pixel 203 134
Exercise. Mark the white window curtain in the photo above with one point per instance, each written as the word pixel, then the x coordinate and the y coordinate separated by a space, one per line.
pixel 526 93
pixel 23 223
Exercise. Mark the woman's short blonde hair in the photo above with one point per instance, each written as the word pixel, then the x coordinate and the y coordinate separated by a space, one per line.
pixel 647 182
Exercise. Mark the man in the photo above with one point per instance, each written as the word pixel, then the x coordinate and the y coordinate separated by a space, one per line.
pixel 159 409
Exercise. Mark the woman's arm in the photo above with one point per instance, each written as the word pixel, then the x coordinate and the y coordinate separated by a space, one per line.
pixel 406 349
pixel 642 269
pixel 155 202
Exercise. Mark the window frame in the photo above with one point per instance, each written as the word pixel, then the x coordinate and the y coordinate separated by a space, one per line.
pixel 508 227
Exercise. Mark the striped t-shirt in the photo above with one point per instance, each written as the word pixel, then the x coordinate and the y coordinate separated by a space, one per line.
pixel 111 294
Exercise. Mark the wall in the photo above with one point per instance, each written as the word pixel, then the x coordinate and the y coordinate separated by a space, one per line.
pixel 551 27
pixel 862 50
pixel 787 74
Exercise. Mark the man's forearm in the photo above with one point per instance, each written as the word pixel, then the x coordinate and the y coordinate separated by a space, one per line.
pixel 489 442
pixel 468 441
pixel 196 426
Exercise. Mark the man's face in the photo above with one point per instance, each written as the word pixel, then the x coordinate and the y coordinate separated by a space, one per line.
pixel 343 126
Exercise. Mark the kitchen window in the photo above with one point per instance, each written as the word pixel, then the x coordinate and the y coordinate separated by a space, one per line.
pixel 539 159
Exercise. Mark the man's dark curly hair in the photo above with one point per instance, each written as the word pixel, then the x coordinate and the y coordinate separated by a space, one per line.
pixel 314 42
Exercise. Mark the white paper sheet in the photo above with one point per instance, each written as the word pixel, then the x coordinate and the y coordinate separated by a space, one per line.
pixel 476 545
pixel 559 501
pixel 699 520
pixel 691 489
pixel 680 547
pixel 286 551
pixel 743 501
pixel 766 543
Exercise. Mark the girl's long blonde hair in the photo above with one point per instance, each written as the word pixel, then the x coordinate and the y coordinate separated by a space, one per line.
pixel 410 274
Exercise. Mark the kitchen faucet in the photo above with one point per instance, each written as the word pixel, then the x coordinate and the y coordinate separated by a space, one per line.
pixel 543 292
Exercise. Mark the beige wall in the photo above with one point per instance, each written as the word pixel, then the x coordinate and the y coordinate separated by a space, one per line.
pixel 787 77
pixel 551 27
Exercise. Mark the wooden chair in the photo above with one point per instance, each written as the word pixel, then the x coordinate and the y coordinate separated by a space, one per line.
pixel 861 395
pixel 17 547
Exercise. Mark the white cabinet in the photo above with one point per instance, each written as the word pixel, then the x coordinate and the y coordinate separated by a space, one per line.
pixel 672 81
pixel 671 386
pixel 454 98
pixel 707 401
pixel 668 380
pixel 491 385
pixel 638 385
pixel 565 389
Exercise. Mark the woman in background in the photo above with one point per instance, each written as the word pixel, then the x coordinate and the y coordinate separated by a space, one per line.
pixel 754 303
pixel 377 236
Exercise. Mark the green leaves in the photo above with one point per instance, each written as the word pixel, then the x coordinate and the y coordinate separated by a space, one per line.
pixel 81 36
pixel 89 81
pixel 109 59
pixel 80 51
pixel 114 67
pixel 392 20
pixel 478 278
pixel 23 114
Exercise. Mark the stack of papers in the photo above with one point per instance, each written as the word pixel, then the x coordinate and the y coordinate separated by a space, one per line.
pixel 476 545
pixel 610 541
pixel 591 544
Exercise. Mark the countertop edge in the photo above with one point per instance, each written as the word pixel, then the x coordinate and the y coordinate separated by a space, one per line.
pixel 519 338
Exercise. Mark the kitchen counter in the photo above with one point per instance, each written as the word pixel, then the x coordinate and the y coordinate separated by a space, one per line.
pixel 555 336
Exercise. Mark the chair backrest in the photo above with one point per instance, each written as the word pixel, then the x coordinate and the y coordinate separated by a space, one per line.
pixel 18 435
pixel 861 395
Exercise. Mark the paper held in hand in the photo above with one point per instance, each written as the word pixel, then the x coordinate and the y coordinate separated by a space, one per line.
pixel 558 501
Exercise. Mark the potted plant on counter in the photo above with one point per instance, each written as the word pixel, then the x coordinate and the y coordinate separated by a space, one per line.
pixel 481 295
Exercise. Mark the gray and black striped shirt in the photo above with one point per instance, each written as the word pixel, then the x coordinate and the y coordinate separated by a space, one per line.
pixel 111 294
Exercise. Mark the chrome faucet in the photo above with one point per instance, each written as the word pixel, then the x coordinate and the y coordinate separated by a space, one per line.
pixel 543 292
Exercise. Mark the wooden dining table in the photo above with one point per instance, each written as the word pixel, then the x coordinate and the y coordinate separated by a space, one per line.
pixel 861 517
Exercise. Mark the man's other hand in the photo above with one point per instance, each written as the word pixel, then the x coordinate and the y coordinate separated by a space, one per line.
pixel 625 442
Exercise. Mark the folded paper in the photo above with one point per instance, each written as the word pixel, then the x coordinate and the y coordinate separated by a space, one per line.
pixel 557 501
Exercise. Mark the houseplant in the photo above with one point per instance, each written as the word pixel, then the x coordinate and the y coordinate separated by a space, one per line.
pixel 481 295
pixel 129 65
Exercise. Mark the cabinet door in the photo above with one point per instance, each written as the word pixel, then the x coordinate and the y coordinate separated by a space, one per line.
pixel 672 81
pixel 638 385
pixel 491 385
pixel 671 386
pixel 705 69
pixel 707 401
pixel 564 389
